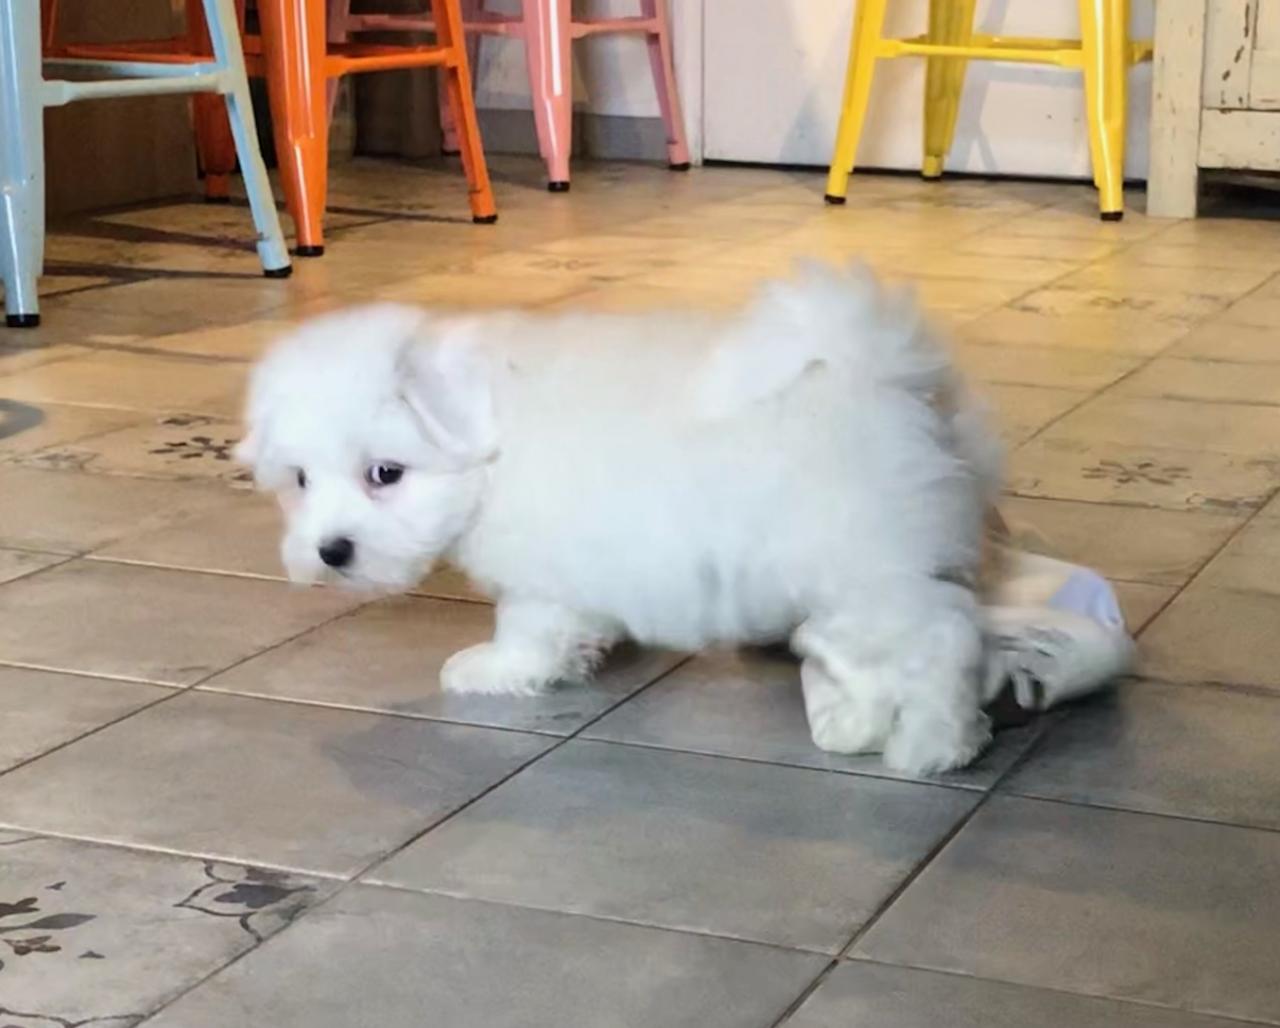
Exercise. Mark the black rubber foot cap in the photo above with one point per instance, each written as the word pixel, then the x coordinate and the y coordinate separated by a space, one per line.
pixel 310 251
pixel 284 272
pixel 1112 215
pixel 557 187
pixel 485 219
pixel 450 153
pixel 679 167
pixel 21 320
pixel 835 201
pixel 217 199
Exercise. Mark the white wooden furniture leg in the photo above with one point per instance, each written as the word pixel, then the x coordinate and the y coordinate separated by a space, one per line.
pixel 1174 177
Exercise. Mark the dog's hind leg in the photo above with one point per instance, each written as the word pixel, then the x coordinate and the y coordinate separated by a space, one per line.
pixel 534 646
pixel 898 673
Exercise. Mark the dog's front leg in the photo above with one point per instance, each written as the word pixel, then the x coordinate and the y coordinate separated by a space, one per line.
pixel 535 645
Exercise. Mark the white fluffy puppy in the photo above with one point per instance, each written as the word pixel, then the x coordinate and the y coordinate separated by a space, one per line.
pixel 808 470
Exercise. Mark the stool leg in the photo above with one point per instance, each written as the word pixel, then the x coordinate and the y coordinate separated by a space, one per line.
pixel 337 31
pixel 457 84
pixel 950 21
pixel 293 45
pixel 868 20
pixel 21 163
pixel 471 10
pixel 1104 36
pixel 548 49
pixel 49 23
pixel 664 78
pixel 215 145
pixel 224 32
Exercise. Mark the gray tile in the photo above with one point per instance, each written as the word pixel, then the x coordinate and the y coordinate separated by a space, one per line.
pixel 111 934
pixel 1205 753
pixel 241 536
pixel 291 786
pixel 861 995
pixel 749 705
pixel 387 657
pixel 1106 903
pixel 19 563
pixel 775 854
pixel 377 957
pixel 1211 634
pixel 151 624
pixel 65 512
pixel 40 710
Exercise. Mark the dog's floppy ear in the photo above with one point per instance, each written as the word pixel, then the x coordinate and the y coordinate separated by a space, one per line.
pixel 446 379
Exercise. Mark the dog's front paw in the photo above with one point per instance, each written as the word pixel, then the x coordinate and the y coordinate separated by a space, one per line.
pixel 487 669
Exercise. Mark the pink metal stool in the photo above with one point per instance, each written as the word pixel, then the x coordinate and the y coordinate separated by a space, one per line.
pixel 548 29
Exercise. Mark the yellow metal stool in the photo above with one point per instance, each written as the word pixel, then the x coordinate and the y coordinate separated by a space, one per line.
pixel 1104 53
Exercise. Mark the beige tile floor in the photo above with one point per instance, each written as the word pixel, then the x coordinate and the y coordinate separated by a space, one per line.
pixel 226 802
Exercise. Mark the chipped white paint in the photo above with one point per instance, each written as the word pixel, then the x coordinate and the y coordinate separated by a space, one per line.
pixel 1240 139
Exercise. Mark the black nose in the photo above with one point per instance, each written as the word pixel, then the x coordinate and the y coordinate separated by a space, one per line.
pixel 337 553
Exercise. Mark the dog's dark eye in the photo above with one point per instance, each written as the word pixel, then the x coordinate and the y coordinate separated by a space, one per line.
pixel 384 474
pixel 302 479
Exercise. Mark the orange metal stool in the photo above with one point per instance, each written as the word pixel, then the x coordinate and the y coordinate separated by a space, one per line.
pixel 298 63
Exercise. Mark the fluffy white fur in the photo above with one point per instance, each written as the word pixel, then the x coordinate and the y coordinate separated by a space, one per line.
pixel 809 470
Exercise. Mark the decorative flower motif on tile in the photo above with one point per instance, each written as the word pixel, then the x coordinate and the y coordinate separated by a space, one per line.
pixel 196 447
pixel 1146 471
pixel 17 926
pixel 248 892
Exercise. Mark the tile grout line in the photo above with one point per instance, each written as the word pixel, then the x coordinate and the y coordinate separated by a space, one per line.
pixel 1098 997
pixel 174 690
pixel 355 879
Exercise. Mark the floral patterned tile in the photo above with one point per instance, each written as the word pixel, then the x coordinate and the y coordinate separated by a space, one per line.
pixel 1058 468
pixel 179 446
pixel 101 937
pixel 1171 307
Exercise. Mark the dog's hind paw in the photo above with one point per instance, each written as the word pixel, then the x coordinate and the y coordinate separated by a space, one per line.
pixel 490 670
pixel 930 746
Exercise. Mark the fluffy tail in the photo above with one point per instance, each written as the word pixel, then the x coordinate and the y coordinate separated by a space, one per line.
pixel 874 336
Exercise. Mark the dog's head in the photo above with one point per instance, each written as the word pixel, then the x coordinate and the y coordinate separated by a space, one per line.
pixel 373 427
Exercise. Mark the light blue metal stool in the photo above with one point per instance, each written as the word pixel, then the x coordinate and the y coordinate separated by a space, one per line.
pixel 25 93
